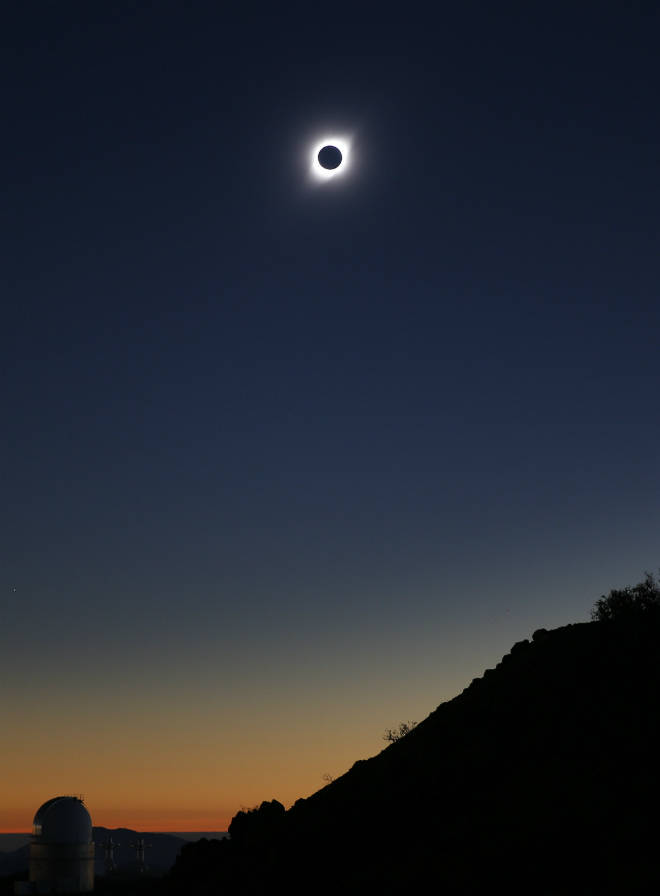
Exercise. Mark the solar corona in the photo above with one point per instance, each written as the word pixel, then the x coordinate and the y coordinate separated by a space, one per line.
pixel 330 158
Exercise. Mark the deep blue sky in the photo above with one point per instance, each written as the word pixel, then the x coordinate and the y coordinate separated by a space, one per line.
pixel 362 435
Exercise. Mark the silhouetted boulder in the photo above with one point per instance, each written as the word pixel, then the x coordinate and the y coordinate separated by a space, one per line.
pixel 257 826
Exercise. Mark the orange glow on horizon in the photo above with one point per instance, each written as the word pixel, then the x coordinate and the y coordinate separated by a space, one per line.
pixel 150 822
pixel 161 822
pixel 160 760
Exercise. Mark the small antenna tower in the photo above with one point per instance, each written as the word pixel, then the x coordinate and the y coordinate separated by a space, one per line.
pixel 109 854
pixel 139 846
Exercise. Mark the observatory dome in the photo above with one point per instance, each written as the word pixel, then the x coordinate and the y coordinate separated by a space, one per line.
pixel 64 819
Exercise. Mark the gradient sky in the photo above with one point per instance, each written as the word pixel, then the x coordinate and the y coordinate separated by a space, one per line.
pixel 287 463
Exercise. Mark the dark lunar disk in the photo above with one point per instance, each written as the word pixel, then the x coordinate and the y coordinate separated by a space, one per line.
pixel 329 157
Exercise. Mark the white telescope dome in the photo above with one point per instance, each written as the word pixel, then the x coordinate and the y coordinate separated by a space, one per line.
pixel 64 819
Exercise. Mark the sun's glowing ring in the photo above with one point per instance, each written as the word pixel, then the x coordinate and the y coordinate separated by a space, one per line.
pixel 318 171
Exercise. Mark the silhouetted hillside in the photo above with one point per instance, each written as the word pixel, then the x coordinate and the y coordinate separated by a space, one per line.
pixel 540 778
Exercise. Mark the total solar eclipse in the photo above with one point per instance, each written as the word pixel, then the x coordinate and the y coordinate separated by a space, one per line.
pixel 330 157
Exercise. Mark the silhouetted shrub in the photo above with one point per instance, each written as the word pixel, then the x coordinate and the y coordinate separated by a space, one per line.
pixel 394 734
pixel 629 603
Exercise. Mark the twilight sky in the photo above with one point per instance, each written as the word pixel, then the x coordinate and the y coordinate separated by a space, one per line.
pixel 285 463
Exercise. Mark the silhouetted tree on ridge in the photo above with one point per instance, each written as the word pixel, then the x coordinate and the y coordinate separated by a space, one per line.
pixel 631 602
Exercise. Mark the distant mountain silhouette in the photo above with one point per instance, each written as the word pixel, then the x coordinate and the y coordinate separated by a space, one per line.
pixel 160 854
pixel 11 842
pixel 14 860
pixel 541 777
pixel 197 835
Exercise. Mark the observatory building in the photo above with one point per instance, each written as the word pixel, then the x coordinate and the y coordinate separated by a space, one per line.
pixel 61 849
